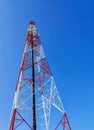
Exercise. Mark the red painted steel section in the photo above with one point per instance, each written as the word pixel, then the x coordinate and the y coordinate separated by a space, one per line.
pixel 32 22
pixel 64 122
pixel 13 120
pixel 25 121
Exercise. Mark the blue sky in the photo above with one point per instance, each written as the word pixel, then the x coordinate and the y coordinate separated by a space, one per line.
pixel 67 34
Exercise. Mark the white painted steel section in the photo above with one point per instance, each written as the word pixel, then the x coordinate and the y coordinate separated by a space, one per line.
pixel 59 99
pixel 45 114
pixel 32 28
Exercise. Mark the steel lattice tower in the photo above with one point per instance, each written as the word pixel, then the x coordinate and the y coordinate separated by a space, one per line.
pixel 37 104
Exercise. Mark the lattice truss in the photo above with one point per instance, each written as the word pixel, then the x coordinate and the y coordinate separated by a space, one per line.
pixel 50 113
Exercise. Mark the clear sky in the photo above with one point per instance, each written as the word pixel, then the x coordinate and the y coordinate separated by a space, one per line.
pixel 66 29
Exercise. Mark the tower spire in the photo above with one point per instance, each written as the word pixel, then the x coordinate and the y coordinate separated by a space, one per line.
pixel 37 104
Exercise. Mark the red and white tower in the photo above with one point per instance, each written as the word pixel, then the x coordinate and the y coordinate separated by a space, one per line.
pixel 37 104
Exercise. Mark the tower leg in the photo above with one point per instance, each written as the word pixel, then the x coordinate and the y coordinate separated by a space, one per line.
pixel 64 122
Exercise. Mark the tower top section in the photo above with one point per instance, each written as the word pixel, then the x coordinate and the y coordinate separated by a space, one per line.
pixel 32 22
pixel 32 28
